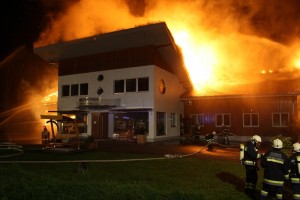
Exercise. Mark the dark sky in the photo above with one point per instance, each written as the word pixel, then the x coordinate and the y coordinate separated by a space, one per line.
pixel 23 20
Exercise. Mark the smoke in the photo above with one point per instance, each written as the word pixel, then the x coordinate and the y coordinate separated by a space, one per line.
pixel 26 82
pixel 246 38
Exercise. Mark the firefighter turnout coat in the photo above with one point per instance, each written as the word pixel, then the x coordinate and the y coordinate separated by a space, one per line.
pixel 294 162
pixel 294 168
pixel 276 167
pixel 251 154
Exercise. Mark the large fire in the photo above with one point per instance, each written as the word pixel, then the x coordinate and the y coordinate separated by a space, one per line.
pixel 224 43
pixel 220 46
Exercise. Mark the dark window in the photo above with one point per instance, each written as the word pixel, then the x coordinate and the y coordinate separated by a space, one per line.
pixel 84 88
pixel 280 119
pixel 223 120
pixel 131 85
pixel 173 120
pixel 143 84
pixel 100 91
pixel 65 90
pixel 160 123
pixel 119 86
pixel 197 119
pixel 100 77
pixel 251 119
pixel 74 90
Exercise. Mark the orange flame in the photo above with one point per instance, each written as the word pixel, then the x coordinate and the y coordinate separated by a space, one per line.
pixel 219 49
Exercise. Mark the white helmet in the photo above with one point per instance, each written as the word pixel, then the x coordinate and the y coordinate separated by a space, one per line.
pixel 277 143
pixel 296 147
pixel 256 138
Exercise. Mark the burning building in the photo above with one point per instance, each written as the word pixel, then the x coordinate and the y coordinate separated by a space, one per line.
pixel 120 82
pixel 114 83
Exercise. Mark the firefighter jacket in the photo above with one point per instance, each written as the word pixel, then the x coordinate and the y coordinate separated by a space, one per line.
pixel 276 167
pixel 293 166
pixel 251 154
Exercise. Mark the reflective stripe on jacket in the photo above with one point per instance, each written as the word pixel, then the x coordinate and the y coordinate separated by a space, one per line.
pixel 276 167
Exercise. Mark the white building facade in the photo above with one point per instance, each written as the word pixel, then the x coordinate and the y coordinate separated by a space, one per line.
pixel 119 82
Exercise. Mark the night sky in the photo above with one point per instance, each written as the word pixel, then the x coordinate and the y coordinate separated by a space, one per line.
pixel 23 20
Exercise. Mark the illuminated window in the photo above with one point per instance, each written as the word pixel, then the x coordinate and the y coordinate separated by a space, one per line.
pixel 250 119
pixel 223 119
pixel 65 90
pixel 280 119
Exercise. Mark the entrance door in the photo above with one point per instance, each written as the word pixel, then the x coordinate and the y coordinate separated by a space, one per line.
pixel 99 125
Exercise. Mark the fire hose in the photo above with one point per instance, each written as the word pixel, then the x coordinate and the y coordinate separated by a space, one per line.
pixel 11 149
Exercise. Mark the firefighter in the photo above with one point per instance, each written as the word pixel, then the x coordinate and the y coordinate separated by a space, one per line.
pixel 276 170
pixel 249 159
pixel 225 134
pixel 294 162
pixel 210 139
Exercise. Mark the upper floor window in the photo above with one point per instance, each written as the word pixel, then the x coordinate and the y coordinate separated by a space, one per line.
pixel 65 90
pixel 74 90
pixel 84 89
pixel 131 85
pixel 223 119
pixel 280 119
pixel 119 86
pixel 143 84
pixel 250 119
pixel 197 119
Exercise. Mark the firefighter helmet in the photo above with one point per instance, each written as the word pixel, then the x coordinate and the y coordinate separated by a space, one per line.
pixel 256 138
pixel 296 147
pixel 277 143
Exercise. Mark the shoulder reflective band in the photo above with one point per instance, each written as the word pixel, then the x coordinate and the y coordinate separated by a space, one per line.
pixel 275 160
pixel 242 148
pixel 298 163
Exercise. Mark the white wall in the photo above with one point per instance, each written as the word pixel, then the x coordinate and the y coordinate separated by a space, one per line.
pixel 134 99
pixel 168 102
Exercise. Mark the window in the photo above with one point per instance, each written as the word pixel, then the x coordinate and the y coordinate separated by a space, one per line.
pixel 223 119
pixel 131 85
pixel 100 91
pixel 84 88
pixel 119 86
pixel 65 90
pixel 100 77
pixel 143 84
pixel 197 119
pixel 280 119
pixel 74 90
pixel 173 120
pixel 250 120
pixel 160 123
